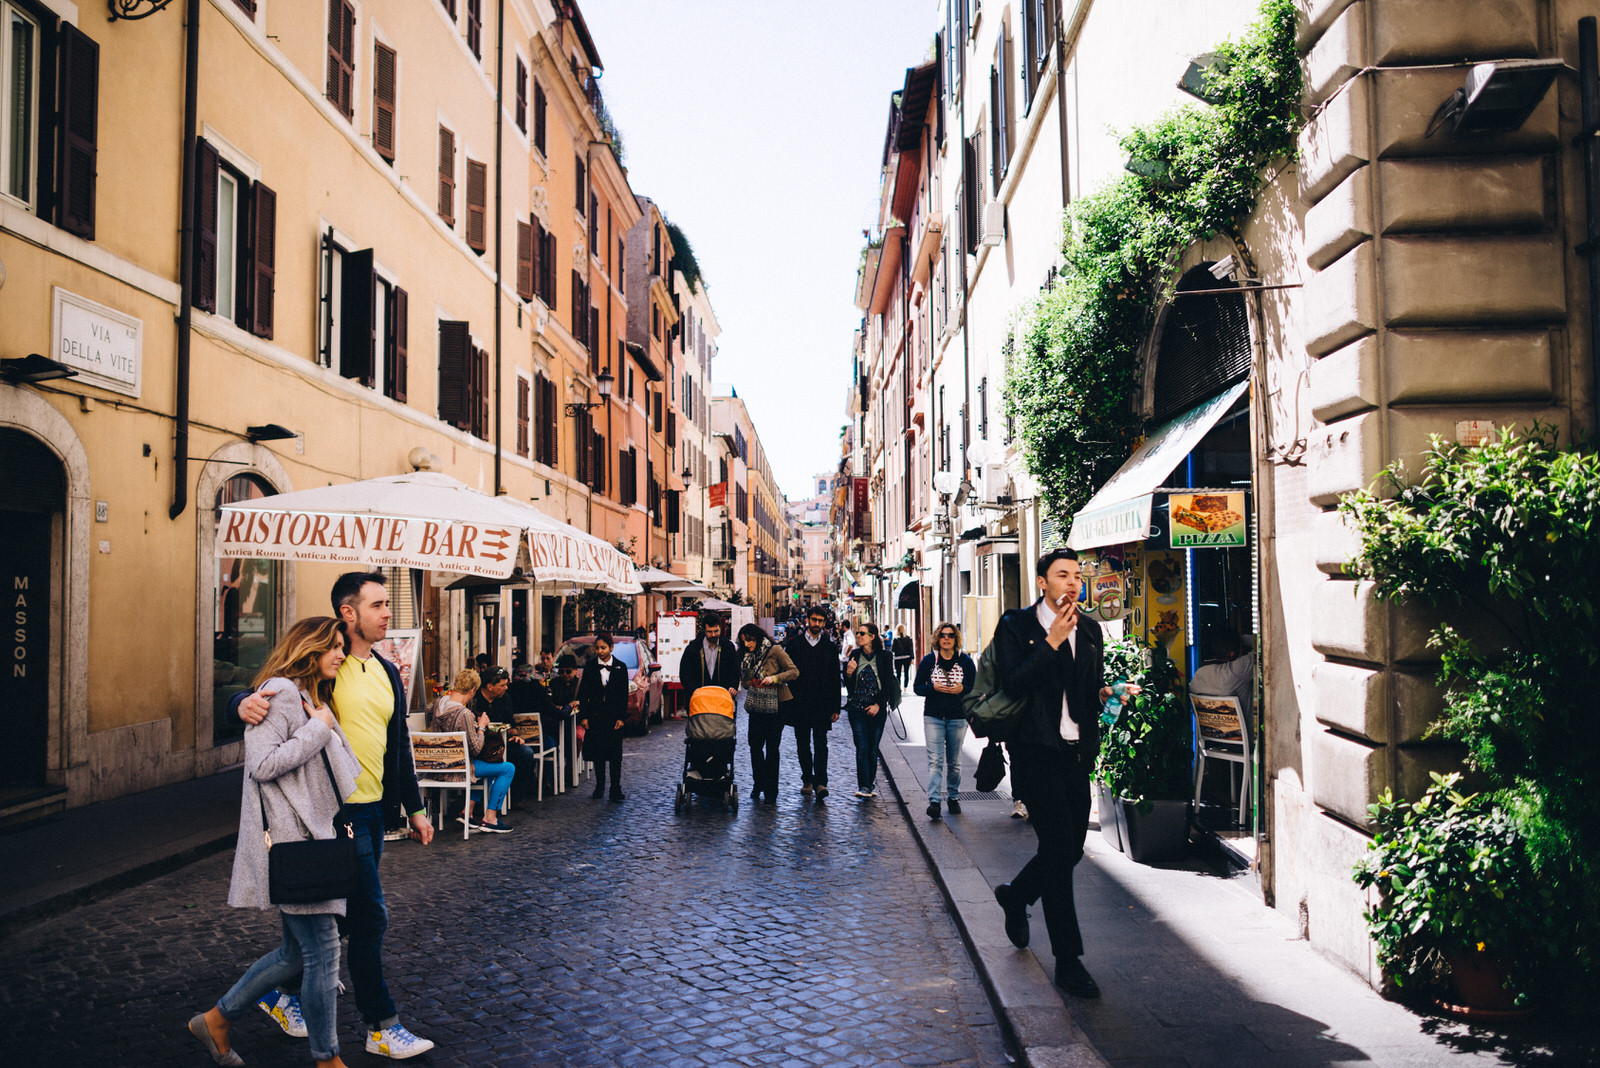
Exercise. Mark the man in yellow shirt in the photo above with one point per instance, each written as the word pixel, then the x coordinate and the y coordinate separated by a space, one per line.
pixel 370 702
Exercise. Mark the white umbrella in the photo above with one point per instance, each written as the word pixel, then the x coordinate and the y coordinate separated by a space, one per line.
pixel 654 577
pixel 425 520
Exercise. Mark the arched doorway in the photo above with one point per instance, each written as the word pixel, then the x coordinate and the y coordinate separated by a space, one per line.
pixel 33 490
pixel 245 615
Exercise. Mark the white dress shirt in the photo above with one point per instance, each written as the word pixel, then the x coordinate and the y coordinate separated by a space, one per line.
pixel 1069 726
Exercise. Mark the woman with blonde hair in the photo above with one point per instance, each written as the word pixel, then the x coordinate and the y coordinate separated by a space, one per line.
pixel 299 768
pixel 943 677
pixel 453 713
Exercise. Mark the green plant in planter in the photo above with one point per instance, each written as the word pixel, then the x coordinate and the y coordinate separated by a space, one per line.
pixel 1454 878
pixel 1148 753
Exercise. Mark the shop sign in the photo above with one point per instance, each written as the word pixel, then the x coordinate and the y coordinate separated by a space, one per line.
pixel 718 495
pixel 373 541
pixel 1121 522
pixel 861 508
pixel 1207 520
pixel 1107 595
pixel 103 345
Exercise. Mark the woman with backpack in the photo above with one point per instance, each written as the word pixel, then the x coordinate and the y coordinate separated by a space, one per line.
pixel 872 690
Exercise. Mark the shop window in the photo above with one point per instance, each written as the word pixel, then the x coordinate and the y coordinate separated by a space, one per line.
pixel 245 616
pixel 1205 344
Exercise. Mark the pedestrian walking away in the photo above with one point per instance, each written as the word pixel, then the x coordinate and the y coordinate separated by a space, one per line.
pixel 1054 658
pixel 943 676
pixel 766 671
pixel 602 706
pixel 298 766
pixel 905 651
pixel 453 713
pixel 873 691
pixel 815 708
pixel 369 700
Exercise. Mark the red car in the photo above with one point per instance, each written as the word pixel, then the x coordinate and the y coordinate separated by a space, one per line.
pixel 644 677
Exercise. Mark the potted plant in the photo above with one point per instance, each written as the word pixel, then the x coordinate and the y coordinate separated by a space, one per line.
pixel 1144 770
pixel 1460 914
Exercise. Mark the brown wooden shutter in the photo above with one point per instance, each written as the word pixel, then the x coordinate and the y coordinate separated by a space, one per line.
pixel 539 104
pixel 447 176
pixel 394 368
pixel 475 27
pixel 524 417
pixel 522 95
pixel 672 429
pixel 450 6
pixel 674 515
pixel 552 424
pixel 455 374
pixel 477 205
pixel 205 226
pixel 549 293
pixel 579 184
pixel 594 329
pixel 383 100
pixel 524 260
pixel 78 124
pixel 341 55
pixel 580 315
pixel 262 272
pixel 357 338
pixel 481 377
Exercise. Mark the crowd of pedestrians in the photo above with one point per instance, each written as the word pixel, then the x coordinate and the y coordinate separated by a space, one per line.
pixel 327 752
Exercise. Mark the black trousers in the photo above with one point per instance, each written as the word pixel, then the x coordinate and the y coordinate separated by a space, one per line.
pixel 1054 784
pixel 811 743
pixel 764 731
pixel 600 775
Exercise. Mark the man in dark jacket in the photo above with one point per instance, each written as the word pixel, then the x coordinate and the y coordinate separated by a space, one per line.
pixel 1054 657
pixel 815 707
pixel 709 660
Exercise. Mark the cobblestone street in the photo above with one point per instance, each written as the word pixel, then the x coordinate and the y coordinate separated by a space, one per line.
pixel 595 934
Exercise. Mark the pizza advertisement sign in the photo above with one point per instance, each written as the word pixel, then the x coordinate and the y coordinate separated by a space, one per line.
pixel 1207 520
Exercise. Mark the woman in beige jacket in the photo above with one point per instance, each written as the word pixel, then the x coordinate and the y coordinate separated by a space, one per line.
pixel 765 670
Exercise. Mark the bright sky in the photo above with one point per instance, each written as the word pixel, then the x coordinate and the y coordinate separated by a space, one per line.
pixel 758 127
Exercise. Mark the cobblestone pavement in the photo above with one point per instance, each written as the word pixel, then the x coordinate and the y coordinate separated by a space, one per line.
pixel 595 934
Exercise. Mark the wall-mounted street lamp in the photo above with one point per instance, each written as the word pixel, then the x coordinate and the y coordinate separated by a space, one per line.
pixel 1496 98
pixel 33 368
pixel 268 432
pixel 603 382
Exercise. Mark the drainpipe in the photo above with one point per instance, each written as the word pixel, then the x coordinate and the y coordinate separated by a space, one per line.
pixel 499 233
pixel 191 108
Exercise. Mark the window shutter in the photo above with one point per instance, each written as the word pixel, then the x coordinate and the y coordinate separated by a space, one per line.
pixel 594 328
pixel 78 133
pixel 549 294
pixel 447 176
pixel 674 515
pixel 450 8
pixel 263 257
pixel 477 204
pixel 481 389
pixel 383 99
pixel 524 419
pixel 550 430
pixel 357 337
pixel 522 95
pixel 524 260
pixel 205 226
pixel 475 27
pixel 672 429
pixel 394 369
pixel 455 374
pixel 538 117
pixel 580 318
pixel 341 55
pixel 577 170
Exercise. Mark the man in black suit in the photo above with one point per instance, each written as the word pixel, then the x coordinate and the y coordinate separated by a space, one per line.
pixel 815 707
pixel 1054 657
pixel 709 660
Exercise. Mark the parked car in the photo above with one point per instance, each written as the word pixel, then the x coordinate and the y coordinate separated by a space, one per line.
pixel 644 677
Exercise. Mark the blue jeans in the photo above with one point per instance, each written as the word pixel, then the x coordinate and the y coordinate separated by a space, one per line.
pixel 367 918
pixel 944 737
pixel 308 953
pixel 867 732
pixel 499 778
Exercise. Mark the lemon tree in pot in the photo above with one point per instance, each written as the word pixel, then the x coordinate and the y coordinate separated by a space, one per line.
pixel 1144 771
pixel 1459 914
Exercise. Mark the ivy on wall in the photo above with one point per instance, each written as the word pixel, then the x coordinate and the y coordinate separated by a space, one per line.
pixel 1070 390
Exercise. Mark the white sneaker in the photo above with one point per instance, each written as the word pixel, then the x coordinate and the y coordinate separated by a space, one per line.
pixel 1019 811
pixel 396 1043
pixel 285 1009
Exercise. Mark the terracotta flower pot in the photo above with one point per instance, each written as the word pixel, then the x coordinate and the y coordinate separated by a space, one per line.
pixel 1477 980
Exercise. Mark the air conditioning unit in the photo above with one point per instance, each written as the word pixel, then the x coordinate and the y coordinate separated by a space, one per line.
pixel 995 483
pixel 994 224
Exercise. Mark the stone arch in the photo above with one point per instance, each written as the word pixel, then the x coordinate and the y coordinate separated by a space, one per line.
pixel 234 458
pixel 1202 253
pixel 67 762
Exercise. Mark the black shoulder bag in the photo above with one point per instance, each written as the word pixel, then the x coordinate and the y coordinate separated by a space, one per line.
pixel 312 870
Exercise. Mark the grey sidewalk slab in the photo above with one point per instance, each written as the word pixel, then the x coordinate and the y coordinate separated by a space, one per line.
pixel 90 851
pixel 1195 970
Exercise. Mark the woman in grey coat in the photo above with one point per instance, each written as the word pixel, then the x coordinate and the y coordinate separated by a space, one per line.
pixel 285 774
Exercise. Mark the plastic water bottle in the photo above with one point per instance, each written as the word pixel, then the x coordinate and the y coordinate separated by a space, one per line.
pixel 1113 705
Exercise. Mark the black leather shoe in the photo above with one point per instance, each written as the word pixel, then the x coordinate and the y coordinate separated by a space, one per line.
pixel 1075 979
pixel 955 807
pixel 1016 915
pixel 599 792
pixel 933 810
pixel 618 795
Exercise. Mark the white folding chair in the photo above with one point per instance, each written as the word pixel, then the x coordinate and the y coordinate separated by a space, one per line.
pixel 1223 735
pixel 442 764
pixel 416 721
pixel 528 728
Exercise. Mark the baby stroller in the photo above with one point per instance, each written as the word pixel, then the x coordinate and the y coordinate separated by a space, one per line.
pixel 708 750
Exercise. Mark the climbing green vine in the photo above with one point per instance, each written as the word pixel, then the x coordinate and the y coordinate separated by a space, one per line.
pixel 1078 365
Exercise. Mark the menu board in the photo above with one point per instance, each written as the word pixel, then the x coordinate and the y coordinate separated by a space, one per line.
pixel 1165 600
pixel 1206 520
pixel 674 632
